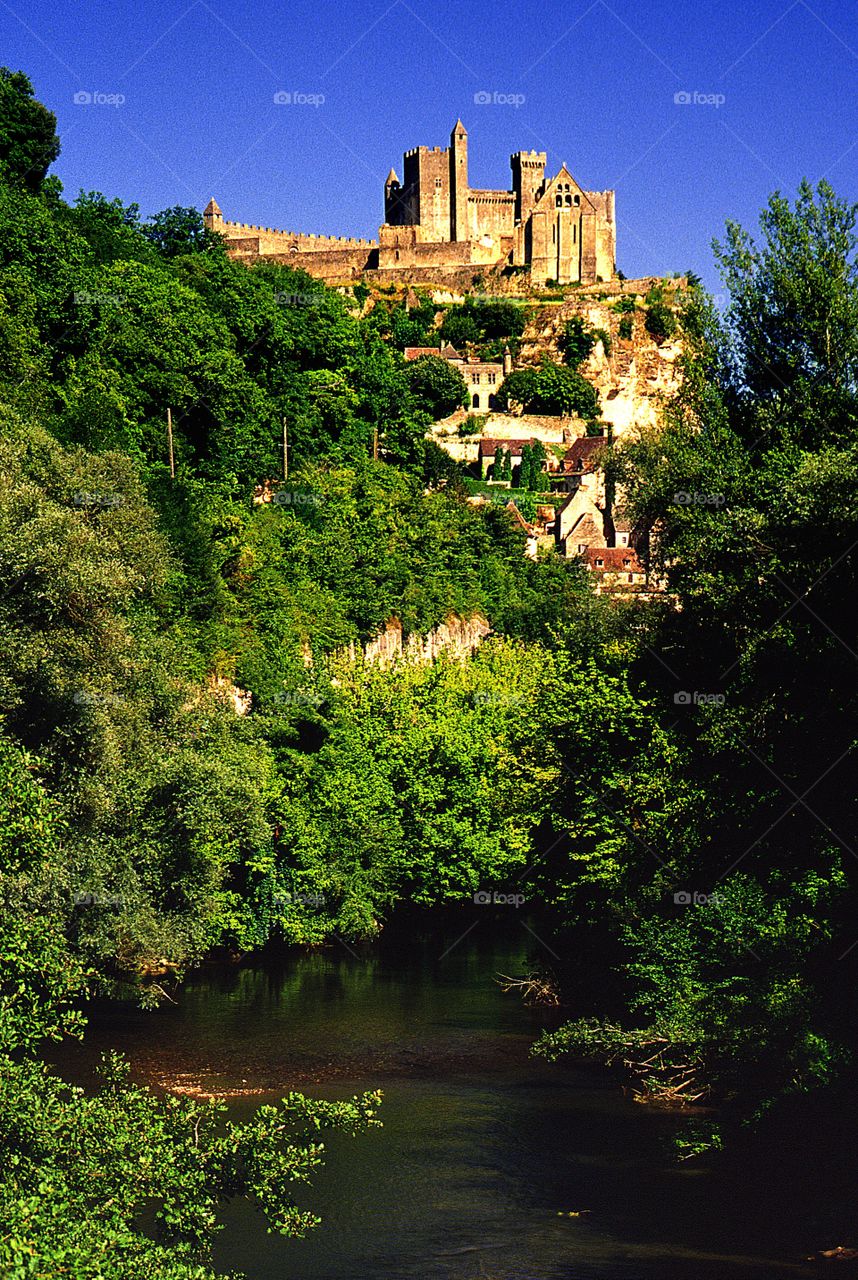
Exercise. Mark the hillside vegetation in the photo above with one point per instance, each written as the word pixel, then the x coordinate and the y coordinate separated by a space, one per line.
pixel 670 784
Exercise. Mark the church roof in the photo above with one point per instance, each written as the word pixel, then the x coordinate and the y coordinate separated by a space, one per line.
pixel 458 127
pixel 391 178
pixel 212 206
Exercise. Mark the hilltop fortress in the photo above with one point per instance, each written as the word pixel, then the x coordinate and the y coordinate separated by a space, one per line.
pixel 436 226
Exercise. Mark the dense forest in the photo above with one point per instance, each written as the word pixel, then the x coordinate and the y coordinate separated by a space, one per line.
pixel 667 783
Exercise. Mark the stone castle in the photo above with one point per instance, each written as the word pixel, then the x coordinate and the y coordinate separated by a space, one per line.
pixel 437 226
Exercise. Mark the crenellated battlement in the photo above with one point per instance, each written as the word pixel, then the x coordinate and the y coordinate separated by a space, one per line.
pixel 302 240
pixel 426 151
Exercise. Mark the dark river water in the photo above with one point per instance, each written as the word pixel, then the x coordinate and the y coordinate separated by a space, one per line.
pixel 485 1152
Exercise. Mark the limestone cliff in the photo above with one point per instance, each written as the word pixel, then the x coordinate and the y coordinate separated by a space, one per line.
pixel 638 372
pixel 456 636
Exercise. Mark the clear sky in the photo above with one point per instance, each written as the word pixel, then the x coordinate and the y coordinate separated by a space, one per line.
pixel 183 103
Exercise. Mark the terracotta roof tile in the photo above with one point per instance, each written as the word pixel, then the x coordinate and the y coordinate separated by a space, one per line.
pixel 613 559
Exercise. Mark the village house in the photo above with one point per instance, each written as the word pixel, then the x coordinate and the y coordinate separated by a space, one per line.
pixel 482 377
pixel 616 570
pixel 584 519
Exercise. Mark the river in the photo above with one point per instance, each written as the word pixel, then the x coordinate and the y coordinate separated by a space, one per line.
pixel 490 1164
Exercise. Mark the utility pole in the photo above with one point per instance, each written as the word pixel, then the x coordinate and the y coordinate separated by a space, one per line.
pixel 375 443
pixel 170 443
pixel 285 451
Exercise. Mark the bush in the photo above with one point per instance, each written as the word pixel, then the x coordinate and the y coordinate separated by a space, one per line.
pixel 660 321
pixel 627 326
pixel 482 321
pixel 576 342
pixel 437 387
pixel 551 389
pixel 605 338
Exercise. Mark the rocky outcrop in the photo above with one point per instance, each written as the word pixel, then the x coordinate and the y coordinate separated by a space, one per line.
pixel 225 691
pixel 456 636
pixel 637 373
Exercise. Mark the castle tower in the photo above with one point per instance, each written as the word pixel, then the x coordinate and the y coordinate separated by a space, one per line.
pixel 459 229
pixel 393 200
pixel 212 216
pixel 528 180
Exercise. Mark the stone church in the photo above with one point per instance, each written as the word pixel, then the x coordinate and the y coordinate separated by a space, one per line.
pixel 436 226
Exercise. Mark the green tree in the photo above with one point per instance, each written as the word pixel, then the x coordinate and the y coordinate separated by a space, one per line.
pixel 28 139
pixel 79 1171
pixel 180 230
pixel 438 388
pixel 549 389
pixel 576 342
pixel 793 316
pixel 660 321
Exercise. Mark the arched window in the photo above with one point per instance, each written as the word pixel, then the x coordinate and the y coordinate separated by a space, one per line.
pixel 577 200
pixel 559 201
pixel 569 200
pixel 475 401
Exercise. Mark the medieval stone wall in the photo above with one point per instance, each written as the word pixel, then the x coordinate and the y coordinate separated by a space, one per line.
pixel 491 213
pixel 336 266
pixel 268 240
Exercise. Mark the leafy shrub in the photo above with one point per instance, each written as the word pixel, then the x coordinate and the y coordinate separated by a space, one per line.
pixel 576 342
pixel 660 321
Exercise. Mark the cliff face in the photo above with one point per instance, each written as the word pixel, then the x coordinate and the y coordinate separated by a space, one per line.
pixel 637 373
pixel 456 636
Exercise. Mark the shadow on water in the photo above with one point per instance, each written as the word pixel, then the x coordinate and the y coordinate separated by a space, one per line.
pixel 485 1153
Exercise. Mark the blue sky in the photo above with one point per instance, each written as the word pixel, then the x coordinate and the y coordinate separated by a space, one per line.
pixel 772 86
